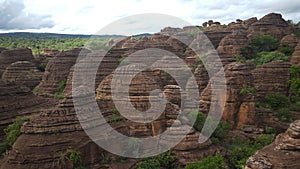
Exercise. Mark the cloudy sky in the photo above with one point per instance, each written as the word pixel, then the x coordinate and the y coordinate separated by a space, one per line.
pixel 88 16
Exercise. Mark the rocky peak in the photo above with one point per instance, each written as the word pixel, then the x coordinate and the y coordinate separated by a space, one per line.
pixel 272 24
pixel 282 153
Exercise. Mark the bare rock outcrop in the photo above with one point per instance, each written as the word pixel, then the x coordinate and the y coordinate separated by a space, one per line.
pixel 8 57
pixel 230 46
pixel 282 153
pixel 18 101
pixel 272 24
pixel 289 40
pixel 239 104
pixel 57 70
pixel 264 81
pixel 296 55
pixel 23 73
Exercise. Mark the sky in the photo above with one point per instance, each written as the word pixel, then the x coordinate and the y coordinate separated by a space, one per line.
pixel 89 16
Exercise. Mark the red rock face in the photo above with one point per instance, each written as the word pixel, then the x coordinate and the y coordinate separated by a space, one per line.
pixel 272 24
pixel 23 73
pixel 8 57
pixel 18 101
pixel 296 55
pixel 282 153
pixel 289 40
pixel 239 107
pixel 57 70
pixel 266 84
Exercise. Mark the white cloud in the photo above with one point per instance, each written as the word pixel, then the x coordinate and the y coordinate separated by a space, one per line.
pixel 88 16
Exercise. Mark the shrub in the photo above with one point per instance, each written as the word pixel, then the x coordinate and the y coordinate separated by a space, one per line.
pixel 219 133
pixel 270 130
pixel 247 90
pixel 74 156
pixel 266 57
pixel 266 43
pixel 211 162
pixel 276 101
pixel 240 150
pixel 61 86
pixel 294 82
pixel 12 133
pixel 41 67
pixel 59 90
pixel 287 50
pixel 284 115
pixel 116 116
pixel 166 160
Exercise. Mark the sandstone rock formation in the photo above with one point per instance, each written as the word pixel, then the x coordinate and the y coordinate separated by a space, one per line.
pixel 239 105
pixel 264 81
pixel 230 46
pixel 289 40
pixel 57 70
pixel 282 153
pixel 272 24
pixel 8 57
pixel 23 73
pixel 18 101
pixel 296 55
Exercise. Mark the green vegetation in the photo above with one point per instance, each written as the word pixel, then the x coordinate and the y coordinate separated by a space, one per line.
pixel 294 88
pixel 116 116
pixel 37 90
pixel 247 90
pixel 105 159
pixel 12 133
pixel 37 44
pixel 60 88
pixel 270 130
pixel 210 162
pixel 265 57
pixel 220 132
pixel 75 157
pixel 294 81
pixel 264 49
pixel 166 160
pixel 71 155
pixel 240 150
pixel 41 67
pixel 280 105
pixel 287 50
pixel 264 43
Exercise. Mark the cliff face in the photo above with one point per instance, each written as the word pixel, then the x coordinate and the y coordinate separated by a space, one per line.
pixel 282 153
pixel 56 71
pixel 23 73
pixel 266 84
pixel 272 24
pixel 296 55
pixel 8 57
pixel 18 101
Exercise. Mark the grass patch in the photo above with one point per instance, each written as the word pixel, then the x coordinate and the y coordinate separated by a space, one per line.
pixel 12 133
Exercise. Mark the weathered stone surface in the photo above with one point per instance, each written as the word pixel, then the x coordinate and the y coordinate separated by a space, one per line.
pixel 239 106
pixel 282 153
pixel 289 40
pixel 230 46
pixel 8 57
pixel 216 36
pixel 296 55
pixel 18 101
pixel 264 81
pixel 23 73
pixel 57 70
pixel 272 24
